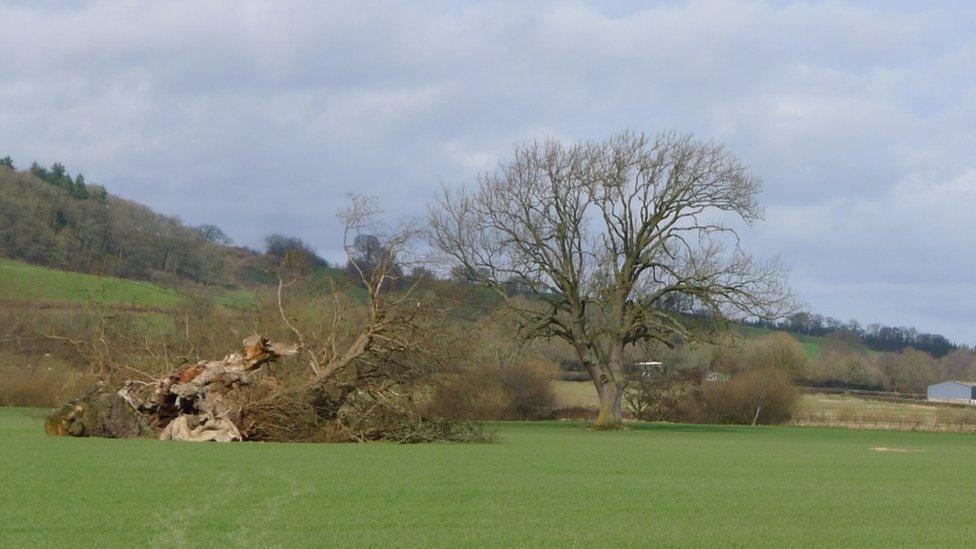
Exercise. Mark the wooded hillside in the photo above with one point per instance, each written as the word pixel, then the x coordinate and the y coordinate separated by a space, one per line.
pixel 56 220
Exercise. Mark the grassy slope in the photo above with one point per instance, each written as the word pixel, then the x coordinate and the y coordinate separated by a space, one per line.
pixel 22 281
pixel 812 345
pixel 30 282
pixel 542 484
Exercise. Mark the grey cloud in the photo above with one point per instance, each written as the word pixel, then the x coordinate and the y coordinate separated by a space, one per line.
pixel 260 116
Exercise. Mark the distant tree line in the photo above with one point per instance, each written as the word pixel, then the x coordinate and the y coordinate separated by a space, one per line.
pixel 51 218
pixel 840 362
pixel 876 337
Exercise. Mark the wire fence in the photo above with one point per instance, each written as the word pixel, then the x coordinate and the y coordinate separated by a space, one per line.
pixel 935 424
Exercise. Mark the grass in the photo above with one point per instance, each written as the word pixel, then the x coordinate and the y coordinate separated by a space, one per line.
pixel 834 405
pixel 237 299
pixel 30 282
pixel 841 406
pixel 25 282
pixel 576 393
pixel 543 484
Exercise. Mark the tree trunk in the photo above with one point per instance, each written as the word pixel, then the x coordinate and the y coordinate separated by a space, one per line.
pixel 610 383
pixel 610 394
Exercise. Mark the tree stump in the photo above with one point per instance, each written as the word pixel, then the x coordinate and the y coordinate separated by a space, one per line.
pixel 99 412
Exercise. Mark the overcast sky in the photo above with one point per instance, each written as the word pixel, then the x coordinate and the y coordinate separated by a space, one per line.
pixel 860 117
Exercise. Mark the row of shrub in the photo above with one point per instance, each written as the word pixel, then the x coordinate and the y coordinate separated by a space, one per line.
pixel 504 381
pixel 753 396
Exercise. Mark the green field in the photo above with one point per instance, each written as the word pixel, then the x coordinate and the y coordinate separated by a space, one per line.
pixel 548 484
pixel 30 282
pixel 25 282
pixel 841 405
pixel 576 393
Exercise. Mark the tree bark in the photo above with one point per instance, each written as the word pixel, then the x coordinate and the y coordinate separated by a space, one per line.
pixel 100 412
pixel 610 389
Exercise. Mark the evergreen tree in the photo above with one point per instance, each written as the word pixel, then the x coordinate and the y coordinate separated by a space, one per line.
pixel 78 188
pixel 98 192
pixel 58 174
pixel 39 171
pixel 7 162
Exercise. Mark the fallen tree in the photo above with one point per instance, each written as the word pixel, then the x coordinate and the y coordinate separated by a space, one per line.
pixel 366 366
pixel 198 402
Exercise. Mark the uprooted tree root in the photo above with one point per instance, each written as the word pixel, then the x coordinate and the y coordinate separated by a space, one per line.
pixel 238 398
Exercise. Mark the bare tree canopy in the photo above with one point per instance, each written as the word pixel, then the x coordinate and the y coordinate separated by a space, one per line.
pixel 214 234
pixel 607 238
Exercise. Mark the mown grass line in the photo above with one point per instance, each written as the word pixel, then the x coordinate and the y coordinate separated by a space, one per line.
pixel 542 484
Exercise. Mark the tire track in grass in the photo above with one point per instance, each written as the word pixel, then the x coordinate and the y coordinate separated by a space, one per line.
pixel 256 527
pixel 174 528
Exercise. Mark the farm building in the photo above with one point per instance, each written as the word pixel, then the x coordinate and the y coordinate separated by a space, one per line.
pixel 953 391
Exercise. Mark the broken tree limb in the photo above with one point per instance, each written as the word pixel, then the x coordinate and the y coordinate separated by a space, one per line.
pixel 201 429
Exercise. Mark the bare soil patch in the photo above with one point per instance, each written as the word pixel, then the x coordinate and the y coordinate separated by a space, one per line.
pixel 898 450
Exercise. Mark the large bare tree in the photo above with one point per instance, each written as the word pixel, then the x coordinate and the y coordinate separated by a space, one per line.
pixel 606 238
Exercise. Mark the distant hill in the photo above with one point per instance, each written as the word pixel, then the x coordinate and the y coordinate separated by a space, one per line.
pixel 50 218
pixel 875 337
pixel 53 219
